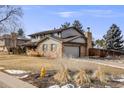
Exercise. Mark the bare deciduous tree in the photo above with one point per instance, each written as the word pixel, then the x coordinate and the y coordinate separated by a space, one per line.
pixel 10 18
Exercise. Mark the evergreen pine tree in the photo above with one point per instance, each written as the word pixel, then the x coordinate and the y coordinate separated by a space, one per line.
pixel 100 43
pixel 77 25
pixel 113 38
pixel 21 32
pixel 65 25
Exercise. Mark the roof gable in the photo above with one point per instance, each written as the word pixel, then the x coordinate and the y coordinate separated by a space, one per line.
pixel 71 32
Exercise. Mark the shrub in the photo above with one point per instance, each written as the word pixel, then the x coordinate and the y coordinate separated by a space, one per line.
pixel 62 76
pixel 100 75
pixel 81 77
pixel 34 53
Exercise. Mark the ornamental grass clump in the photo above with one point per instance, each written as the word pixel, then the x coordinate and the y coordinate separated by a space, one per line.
pixel 81 78
pixel 100 75
pixel 62 76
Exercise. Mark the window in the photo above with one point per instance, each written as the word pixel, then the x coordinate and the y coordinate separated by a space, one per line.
pixel 53 47
pixel 45 47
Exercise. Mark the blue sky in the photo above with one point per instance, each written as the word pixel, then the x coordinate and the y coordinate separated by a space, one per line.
pixel 99 18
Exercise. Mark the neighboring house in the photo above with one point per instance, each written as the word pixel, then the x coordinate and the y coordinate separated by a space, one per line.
pixel 56 43
pixel 8 41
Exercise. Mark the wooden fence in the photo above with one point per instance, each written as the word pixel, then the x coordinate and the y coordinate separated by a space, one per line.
pixel 104 52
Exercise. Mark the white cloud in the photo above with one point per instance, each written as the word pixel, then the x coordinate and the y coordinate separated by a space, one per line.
pixel 91 12
pixel 104 13
pixel 66 14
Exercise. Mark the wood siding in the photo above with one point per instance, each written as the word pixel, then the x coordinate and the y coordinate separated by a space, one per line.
pixel 70 32
pixel 103 52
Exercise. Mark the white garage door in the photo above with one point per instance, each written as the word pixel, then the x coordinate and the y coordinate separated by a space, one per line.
pixel 70 51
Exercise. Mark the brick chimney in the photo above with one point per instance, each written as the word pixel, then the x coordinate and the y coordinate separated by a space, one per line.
pixel 88 35
pixel 14 39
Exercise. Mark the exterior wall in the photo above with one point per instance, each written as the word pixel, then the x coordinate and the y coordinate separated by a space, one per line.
pixel 3 48
pixel 2 42
pixel 49 53
pixel 70 32
pixel 9 42
pixel 83 50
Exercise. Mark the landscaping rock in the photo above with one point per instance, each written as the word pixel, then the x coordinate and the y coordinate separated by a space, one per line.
pixel 54 86
pixel 16 72
pixel 68 86
pixel 2 68
pixel 25 76
pixel 107 86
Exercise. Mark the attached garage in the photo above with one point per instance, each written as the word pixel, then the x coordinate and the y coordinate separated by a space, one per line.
pixel 71 51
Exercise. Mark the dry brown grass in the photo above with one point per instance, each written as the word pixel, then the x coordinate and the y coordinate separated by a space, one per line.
pixel 25 62
pixel 75 64
pixel 82 78
pixel 34 64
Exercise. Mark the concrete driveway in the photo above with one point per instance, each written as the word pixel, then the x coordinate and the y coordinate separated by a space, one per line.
pixel 7 81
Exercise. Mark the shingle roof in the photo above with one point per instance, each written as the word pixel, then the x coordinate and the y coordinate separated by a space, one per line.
pixel 23 38
pixel 29 44
pixel 7 36
pixel 53 37
pixel 54 31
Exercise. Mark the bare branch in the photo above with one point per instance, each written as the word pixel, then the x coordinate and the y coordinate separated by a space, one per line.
pixel 9 17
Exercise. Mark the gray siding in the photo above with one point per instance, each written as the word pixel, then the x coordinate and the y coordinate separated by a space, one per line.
pixel 70 32
pixel 79 40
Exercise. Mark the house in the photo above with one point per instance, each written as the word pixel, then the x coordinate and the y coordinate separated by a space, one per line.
pixel 9 41
pixel 57 43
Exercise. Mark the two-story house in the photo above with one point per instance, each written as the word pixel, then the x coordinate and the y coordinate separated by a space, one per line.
pixel 57 43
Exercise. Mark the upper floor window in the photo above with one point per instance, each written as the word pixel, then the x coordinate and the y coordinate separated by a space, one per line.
pixel 53 47
pixel 45 47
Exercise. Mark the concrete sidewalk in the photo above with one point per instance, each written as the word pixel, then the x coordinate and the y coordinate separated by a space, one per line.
pixel 7 81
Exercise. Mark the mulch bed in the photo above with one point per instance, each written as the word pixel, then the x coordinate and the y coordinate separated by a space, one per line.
pixel 49 81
